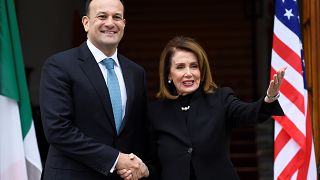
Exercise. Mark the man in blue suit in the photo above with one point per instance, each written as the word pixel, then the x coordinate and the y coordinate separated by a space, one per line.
pixel 78 109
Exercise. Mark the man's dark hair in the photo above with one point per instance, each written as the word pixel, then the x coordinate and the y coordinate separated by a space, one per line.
pixel 86 7
pixel 87 3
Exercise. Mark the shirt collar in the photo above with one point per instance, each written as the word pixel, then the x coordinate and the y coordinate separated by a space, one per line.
pixel 100 56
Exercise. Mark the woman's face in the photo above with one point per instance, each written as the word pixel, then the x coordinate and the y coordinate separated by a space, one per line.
pixel 185 72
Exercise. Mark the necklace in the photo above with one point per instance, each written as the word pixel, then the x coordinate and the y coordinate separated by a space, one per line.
pixel 185 108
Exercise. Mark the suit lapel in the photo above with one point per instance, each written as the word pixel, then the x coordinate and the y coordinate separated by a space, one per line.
pixel 92 71
pixel 129 83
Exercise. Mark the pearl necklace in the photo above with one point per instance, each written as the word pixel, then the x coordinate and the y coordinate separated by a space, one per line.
pixel 185 108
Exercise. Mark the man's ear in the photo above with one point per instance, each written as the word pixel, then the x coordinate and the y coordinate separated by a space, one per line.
pixel 85 23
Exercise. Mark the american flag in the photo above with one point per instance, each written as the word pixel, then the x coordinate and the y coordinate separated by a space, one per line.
pixel 294 156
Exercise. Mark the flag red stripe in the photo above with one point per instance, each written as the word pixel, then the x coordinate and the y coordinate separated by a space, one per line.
pixel 291 129
pixel 292 166
pixel 291 93
pixel 287 54
pixel 298 128
pixel 303 172
pixel 281 140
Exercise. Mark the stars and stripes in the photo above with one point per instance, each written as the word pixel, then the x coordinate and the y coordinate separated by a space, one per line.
pixel 294 156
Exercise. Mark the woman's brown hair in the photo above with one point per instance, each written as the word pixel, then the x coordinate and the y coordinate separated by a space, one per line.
pixel 189 45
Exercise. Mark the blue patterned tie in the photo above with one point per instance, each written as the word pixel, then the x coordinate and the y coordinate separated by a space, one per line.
pixel 114 91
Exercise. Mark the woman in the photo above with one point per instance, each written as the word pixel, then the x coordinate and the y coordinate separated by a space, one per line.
pixel 193 118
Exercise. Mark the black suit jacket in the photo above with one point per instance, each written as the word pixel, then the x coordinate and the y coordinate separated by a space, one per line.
pixel 78 119
pixel 202 137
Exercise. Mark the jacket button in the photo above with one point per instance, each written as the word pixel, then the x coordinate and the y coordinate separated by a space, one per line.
pixel 190 150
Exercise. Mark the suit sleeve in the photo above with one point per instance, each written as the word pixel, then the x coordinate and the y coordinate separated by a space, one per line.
pixel 241 113
pixel 273 108
pixel 56 103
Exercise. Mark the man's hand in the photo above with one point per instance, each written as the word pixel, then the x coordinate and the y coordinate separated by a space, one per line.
pixel 131 167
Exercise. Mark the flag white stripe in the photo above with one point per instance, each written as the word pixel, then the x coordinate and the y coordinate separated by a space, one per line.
pixel 12 158
pixel 287 36
pixel 277 129
pixel 312 169
pixel 312 173
pixel 292 76
pixel 294 176
pixel 285 156
pixel 31 147
pixel 293 113
pixel 306 100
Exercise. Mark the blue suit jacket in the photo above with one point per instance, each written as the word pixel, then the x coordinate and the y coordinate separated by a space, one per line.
pixel 78 119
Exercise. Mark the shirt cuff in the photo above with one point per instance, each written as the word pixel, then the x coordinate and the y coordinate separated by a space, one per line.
pixel 114 165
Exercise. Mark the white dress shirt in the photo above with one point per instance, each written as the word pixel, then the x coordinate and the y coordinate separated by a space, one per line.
pixel 100 56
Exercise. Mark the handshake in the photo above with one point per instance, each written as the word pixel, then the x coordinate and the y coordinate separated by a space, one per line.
pixel 131 167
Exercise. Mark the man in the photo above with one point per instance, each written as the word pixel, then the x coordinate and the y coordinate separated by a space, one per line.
pixel 92 122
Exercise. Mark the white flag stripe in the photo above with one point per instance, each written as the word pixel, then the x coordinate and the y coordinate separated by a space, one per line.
pixel 297 115
pixel 285 156
pixel 277 129
pixel 16 171
pixel 294 176
pixel 312 167
pixel 287 36
pixel 31 146
pixel 12 156
pixel 293 113
pixel 292 76
pixel 305 92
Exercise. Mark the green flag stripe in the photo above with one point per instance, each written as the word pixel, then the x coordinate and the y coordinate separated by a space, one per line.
pixel 8 80
pixel 13 80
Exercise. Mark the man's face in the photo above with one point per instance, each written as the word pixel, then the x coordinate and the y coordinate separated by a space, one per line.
pixel 105 23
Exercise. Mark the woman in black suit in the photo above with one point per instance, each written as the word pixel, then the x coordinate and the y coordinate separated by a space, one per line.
pixel 193 118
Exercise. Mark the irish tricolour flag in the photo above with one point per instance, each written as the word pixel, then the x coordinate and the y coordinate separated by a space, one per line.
pixel 19 154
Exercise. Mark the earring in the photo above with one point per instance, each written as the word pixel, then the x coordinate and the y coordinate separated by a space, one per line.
pixel 169 81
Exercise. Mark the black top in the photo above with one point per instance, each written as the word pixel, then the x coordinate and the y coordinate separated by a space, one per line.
pixel 199 139
pixel 185 102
